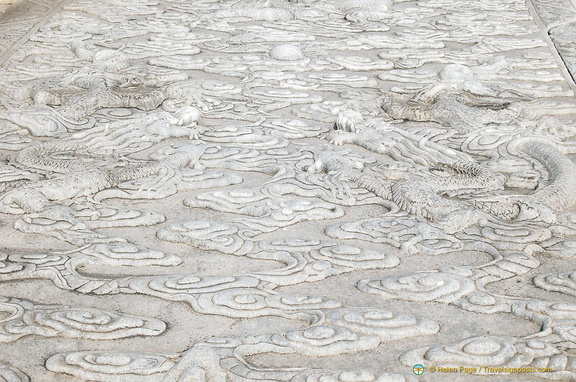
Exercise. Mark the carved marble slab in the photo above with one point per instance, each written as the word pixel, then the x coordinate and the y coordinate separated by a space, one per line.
pixel 276 190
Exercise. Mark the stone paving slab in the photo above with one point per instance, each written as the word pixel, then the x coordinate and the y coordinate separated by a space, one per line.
pixel 272 190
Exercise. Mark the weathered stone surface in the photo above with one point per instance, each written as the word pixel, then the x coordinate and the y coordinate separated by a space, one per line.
pixel 283 190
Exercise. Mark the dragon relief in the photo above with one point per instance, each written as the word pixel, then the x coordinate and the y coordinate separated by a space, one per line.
pixel 461 100
pixel 106 80
pixel 76 175
pixel 459 110
pixel 356 11
pixel 432 178
pixel 446 185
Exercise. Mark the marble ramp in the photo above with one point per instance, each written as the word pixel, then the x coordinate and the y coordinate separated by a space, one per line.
pixel 275 190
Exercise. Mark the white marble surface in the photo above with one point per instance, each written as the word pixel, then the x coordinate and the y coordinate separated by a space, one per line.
pixel 287 191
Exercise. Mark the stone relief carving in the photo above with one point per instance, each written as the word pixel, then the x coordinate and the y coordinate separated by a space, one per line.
pixel 10 373
pixel 357 158
pixel 25 318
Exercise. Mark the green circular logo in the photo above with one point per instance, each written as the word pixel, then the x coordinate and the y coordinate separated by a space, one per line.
pixel 418 369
